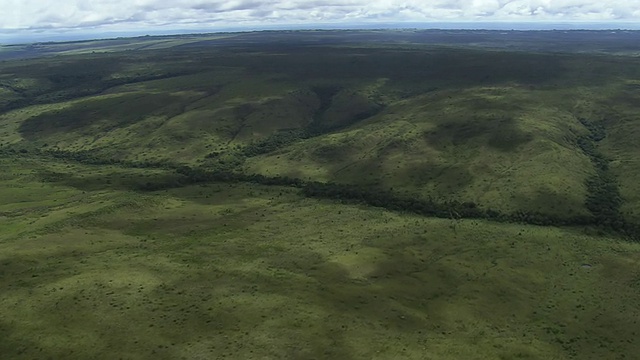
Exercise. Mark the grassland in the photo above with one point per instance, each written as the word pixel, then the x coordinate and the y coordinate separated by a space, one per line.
pixel 245 271
pixel 108 248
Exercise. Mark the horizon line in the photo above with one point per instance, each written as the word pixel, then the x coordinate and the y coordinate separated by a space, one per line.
pixel 66 35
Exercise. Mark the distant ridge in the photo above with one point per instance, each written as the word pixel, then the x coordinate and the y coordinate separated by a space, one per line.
pixel 27 36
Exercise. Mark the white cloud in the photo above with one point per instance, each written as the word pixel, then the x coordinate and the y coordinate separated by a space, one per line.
pixel 123 14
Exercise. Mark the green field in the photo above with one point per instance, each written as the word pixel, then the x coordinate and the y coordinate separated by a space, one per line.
pixel 305 196
pixel 247 271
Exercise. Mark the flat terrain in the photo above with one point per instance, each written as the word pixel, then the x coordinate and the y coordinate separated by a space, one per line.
pixel 338 195
pixel 247 271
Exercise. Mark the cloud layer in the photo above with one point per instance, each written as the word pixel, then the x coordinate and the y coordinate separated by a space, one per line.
pixel 131 14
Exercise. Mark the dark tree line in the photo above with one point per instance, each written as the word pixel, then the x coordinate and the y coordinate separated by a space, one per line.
pixel 603 193
pixel 603 200
pixel 386 199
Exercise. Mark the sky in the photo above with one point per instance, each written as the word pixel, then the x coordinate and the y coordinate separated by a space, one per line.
pixel 46 18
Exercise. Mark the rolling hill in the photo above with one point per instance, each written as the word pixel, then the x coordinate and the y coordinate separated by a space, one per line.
pixel 321 194
pixel 494 127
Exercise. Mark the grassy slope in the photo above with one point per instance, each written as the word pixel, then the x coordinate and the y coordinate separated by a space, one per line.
pixel 472 144
pixel 181 118
pixel 496 128
pixel 483 135
pixel 97 271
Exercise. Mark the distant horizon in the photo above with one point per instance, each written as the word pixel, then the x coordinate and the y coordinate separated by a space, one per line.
pixel 34 20
pixel 37 36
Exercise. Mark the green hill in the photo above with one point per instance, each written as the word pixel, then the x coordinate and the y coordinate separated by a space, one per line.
pixel 496 128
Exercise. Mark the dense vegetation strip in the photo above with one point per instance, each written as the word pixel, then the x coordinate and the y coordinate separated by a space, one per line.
pixel 605 210
pixel 603 199
pixel 426 207
pixel 378 198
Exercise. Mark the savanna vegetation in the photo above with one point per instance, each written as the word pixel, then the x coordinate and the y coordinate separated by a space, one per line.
pixel 321 194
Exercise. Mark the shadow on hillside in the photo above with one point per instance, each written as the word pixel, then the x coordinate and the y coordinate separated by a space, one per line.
pixel 549 202
pixel 71 71
pixel 499 133
pixel 444 67
pixel 448 179
pixel 12 345
pixel 95 116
